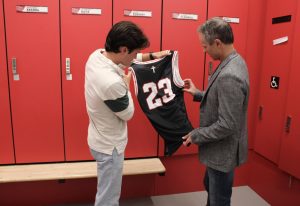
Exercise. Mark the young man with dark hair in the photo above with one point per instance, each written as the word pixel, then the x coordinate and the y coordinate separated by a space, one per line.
pixel 222 135
pixel 110 106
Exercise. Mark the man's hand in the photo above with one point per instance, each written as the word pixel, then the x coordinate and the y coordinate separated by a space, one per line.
pixel 189 87
pixel 161 54
pixel 127 78
pixel 187 140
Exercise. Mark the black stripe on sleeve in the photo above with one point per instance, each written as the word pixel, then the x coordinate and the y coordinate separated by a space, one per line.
pixel 118 105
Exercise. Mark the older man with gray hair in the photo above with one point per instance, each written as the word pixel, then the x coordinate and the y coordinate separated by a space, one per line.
pixel 222 135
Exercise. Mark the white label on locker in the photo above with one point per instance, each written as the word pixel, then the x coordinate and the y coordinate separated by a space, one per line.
pixel 69 77
pixel 138 13
pixel 16 77
pixel 231 20
pixel 280 40
pixel 185 16
pixel 32 9
pixel 86 11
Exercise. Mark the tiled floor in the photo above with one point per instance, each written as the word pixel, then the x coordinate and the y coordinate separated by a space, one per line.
pixel 242 196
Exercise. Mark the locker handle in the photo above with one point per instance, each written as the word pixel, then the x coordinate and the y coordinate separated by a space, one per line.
pixel 288 124
pixel 68 69
pixel 68 66
pixel 260 112
pixel 14 69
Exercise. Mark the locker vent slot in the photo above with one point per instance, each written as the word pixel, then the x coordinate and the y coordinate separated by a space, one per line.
pixel 281 19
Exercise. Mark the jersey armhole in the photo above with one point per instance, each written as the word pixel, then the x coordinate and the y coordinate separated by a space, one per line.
pixel 175 69
pixel 134 81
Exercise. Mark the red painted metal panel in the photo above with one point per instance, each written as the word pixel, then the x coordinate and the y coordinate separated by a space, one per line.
pixel 290 143
pixel 276 62
pixel 6 140
pixel 273 185
pixel 237 15
pixel 33 40
pixel 256 20
pixel 82 31
pixel 180 22
pixel 184 173
pixel 142 138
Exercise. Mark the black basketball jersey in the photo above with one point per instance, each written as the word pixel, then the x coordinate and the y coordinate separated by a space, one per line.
pixel 158 87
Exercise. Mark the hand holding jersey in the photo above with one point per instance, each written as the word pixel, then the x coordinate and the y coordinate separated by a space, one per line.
pixel 151 56
pixel 189 87
pixel 161 54
pixel 127 78
pixel 187 140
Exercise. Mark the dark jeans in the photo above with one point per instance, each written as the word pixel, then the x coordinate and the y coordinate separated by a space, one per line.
pixel 218 186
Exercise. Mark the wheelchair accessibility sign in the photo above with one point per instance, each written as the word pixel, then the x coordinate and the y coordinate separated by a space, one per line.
pixel 274 84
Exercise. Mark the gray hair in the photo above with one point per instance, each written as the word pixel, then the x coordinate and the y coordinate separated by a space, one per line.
pixel 217 28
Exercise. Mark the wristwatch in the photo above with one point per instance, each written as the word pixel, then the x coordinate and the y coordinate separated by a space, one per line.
pixel 151 56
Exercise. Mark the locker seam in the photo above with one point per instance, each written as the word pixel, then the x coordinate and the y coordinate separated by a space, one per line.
pixel 205 55
pixel 8 82
pixel 112 12
pixel 161 22
pixel 161 40
pixel 61 80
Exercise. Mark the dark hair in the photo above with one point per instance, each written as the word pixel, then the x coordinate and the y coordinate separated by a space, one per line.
pixel 128 34
pixel 217 28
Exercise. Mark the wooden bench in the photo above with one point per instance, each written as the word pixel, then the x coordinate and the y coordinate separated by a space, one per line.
pixel 74 170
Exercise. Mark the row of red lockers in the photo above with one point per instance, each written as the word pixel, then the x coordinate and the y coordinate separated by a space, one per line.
pixel 43 116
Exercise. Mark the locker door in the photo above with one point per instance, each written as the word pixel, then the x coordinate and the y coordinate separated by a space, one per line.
pixel 236 13
pixel 6 140
pixel 142 138
pixel 34 73
pixel 181 18
pixel 276 63
pixel 256 22
pixel 290 143
pixel 84 26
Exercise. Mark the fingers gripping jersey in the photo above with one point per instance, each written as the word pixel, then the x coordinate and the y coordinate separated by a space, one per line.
pixel 158 87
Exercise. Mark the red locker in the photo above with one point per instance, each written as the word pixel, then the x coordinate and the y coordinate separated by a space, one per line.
pixel 290 143
pixel 34 73
pixel 256 20
pixel 180 22
pixel 276 63
pixel 237 15
pixel 142 138
pixel 6 140
pixel 84 26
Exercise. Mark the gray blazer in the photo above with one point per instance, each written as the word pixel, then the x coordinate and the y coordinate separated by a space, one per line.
pixel 222 136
